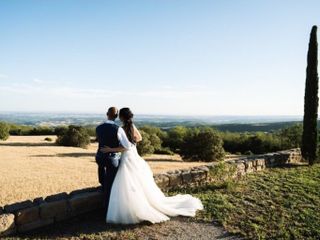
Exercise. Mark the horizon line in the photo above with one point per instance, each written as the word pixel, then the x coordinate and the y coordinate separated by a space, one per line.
pixel 155 114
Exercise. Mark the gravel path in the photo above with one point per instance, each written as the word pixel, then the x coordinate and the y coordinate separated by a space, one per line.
pixel 92 226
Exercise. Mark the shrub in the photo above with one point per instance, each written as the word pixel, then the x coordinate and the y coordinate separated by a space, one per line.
pixel 91 131
pixel 4 131
pixel 25 130
pixel 164 150
pixel 149 144
pixel 257 143
pixel 202 144
pixel 75 136
pixel 154 130
pixel 175 138
pixel 41 131
pixel 20 130
pixel 291 137
pixel 60 130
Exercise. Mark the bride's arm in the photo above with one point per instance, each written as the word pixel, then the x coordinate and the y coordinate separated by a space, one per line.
pixel 124 142
pixel 136 134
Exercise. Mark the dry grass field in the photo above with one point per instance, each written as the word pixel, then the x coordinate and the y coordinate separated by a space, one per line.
pixel 31 167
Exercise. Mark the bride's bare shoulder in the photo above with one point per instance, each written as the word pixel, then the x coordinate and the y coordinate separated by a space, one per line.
pixel 136 134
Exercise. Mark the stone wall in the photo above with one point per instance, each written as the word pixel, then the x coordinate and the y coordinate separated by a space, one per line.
pixel 32 214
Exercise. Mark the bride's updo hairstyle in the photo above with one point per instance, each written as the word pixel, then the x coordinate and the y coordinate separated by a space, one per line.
pixel 126 117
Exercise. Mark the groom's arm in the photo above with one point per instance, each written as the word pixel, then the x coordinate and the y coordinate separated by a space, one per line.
pixel 107 149
pixel 124 142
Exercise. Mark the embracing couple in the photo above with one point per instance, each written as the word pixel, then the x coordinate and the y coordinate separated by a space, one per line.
pixel 131 194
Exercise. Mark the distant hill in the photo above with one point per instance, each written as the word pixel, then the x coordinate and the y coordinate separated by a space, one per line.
pixel 257 127
pixel 223 123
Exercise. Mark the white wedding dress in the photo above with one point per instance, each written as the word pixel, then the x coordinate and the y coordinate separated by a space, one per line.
pixel 135 197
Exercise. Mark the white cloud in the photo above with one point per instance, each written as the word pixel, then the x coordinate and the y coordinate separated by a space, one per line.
pixel 37 80
pixel 93 93
pixel 182 100
pixel 3 76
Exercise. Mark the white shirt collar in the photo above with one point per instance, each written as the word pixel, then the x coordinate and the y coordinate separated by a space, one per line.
pixel 110 121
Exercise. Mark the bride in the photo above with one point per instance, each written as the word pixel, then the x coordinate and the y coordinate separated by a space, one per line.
pixel 135 197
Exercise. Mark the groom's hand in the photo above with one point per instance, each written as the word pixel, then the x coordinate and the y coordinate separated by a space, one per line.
pixel 106 149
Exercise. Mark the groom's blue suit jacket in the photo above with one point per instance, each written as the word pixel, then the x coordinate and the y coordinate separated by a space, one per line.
pixel 107 135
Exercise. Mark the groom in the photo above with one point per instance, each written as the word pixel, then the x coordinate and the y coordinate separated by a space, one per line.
pixel 108 134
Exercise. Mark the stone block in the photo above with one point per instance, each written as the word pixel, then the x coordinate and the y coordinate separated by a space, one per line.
pixel 85 202
pixel 7 225
pixel 34 225
pixel 210 166
pixel 186 177
pixel 270 160
pixel 162 180
pixel 27 215
pixel 259 168
pixel 261 162
pixel 95 200
pixel 248 166
pixel 241 169
pixel 57 209
pixel 56 197
pixel 281 158
pixel 13 208
pixel 254 163
pixel 204 168
pixel 175 180
pixel 38 201
pixel 85 190
pixel 198 175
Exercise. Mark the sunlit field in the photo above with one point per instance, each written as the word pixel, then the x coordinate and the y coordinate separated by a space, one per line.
pixel 31 167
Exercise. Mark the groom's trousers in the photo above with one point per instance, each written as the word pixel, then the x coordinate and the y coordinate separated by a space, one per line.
pixel 102 174
pixel 110 175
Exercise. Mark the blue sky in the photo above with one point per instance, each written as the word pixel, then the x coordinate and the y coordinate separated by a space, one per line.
pixel 183 57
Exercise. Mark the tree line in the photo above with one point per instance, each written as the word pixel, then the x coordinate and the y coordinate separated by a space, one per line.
pixel 192 143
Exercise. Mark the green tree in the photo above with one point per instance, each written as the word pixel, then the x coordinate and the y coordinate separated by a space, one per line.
pixel 202 145
pixel 149 144
pixel 154 130
pixel 310 134
pixel 262 143
pixel 75 136
pixel 291 137
pixel 4 131
pixel 175 138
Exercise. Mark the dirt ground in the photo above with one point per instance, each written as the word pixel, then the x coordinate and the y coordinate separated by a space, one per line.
pixel 30 167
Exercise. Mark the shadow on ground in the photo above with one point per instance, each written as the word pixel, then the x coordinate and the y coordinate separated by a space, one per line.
pixel 27 144
pixel 76 154
pixel 93 226
pixel 162 160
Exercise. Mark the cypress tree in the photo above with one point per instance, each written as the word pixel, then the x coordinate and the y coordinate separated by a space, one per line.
pixel 310 134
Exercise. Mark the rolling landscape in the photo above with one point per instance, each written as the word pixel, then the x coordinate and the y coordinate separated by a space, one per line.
pixel 223 123
pixel 159 120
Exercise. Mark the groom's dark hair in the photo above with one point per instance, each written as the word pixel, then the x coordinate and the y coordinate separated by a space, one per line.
pixel 112 113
